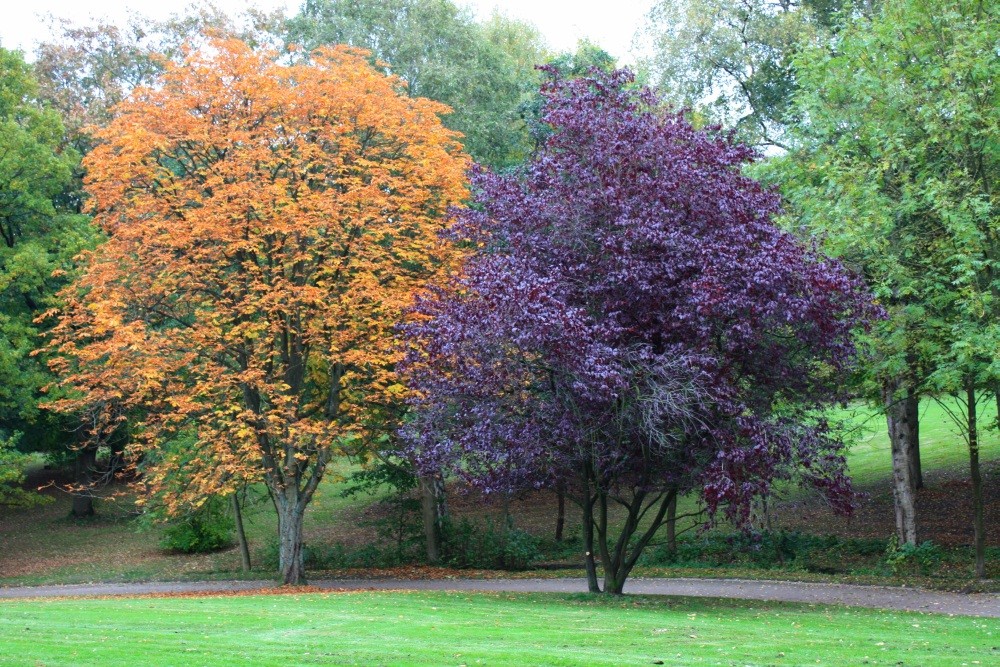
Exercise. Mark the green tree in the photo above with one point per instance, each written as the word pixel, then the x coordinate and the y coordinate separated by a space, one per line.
pixel 733 60
pixel 483 71
pixel 85 70
pixel 895 165
pixel 37 244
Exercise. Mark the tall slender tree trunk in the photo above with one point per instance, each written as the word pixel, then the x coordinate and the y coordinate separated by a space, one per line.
pixel 996 394
pixel 241 534
pixel 589 557
pixel 83 499
pixel 672 525
pixel 899 438
pixel 913 421
pixel 434 510
pixel 978 521
pixel 561 511
pixel 587 502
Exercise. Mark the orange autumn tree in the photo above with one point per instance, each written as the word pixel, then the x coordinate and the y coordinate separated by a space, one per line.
pixel 267 226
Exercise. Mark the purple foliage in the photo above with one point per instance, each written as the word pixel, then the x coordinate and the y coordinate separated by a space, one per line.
pixel 632 310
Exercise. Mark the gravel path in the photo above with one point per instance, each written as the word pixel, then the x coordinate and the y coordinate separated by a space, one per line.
pixel 877 597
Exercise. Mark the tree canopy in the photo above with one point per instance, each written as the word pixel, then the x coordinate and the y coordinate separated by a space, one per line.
pixel 267 224
pixel 482 71
pixel 38 241
pixel 733 60
pixel 633 324
pixel 895 166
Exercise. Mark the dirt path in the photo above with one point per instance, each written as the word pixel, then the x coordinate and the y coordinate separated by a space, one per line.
pixel 876 597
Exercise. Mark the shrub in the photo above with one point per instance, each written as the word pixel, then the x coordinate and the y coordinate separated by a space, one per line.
pixel 813 553
pixel 469 545
pixel 207 528
pixel 923 558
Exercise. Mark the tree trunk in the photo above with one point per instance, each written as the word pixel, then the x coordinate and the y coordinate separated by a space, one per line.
pixel 902 485
pixel 291 560
pixel 913 421
pixel 672 525
pixel 589 558
pixel 611 583
pixel 241 535
pixel 83 499
pixel 434 511
pixel 978 522
pixel 619 559
pixel 996 394
pixel 561 512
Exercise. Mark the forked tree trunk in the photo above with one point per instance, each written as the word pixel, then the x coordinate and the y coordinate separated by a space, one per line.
pixel 619 558
pixel 899 438
pixel 83 499
pixel 978 521
pixel 913 421
pixel 241 534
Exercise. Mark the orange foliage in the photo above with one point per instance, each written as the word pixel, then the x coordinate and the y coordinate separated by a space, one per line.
pixel 267 226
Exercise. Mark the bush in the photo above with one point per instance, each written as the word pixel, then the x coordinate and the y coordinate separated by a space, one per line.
pixel 813 553
pixel 400 523
pixel 208 528
pixel 469 545
pixel 923 558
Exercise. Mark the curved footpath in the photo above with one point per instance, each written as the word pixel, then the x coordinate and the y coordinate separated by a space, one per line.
pixel 876 597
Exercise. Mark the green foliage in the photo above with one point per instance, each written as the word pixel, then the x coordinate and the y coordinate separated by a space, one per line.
pixel 12 464
pixel 894 166
pixel 784 549
pixel 466 544
pixel 482 71
pixel 201 530
pixel 38 243
pixel 924 558
pixel 336 556
pixel 400 524
pixel 732 61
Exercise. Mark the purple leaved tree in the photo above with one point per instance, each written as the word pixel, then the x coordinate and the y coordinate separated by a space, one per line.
pixel 633 326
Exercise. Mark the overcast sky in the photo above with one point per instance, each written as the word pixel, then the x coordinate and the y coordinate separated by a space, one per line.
pixel 563 22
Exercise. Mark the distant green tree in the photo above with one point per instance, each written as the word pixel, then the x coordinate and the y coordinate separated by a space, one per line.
pixel 84 70
pixel 482 71
pixel 12 464
pixel 894 164
pixel 37 244
pixel 733 60
pixel 587 58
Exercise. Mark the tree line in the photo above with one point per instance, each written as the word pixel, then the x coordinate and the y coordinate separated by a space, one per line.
pixel 239 248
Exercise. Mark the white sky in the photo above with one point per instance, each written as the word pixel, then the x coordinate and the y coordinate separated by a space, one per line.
pixel 562 22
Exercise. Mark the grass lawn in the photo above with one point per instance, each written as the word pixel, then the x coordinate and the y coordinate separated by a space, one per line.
pixel 479 629
pixel 941 443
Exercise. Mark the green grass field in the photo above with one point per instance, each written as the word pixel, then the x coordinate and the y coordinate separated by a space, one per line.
pixel 479 629
pixel 941 443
